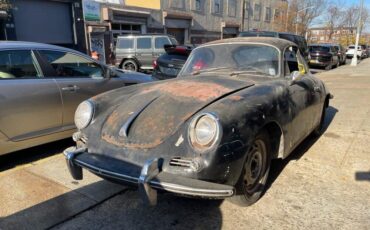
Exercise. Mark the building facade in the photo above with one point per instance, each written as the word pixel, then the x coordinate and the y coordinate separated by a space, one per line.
pixel 93 25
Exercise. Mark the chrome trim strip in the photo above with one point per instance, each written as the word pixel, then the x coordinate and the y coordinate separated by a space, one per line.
pixel 174 188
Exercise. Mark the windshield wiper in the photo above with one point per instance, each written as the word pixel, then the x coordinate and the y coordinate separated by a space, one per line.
pixel 251 72
pixel 196 72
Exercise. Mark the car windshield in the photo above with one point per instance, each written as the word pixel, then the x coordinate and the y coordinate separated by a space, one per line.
pixel 235 59
pixel 319 48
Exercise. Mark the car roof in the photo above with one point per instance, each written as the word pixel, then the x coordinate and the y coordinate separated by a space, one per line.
pixel 277 42
pixel 31 45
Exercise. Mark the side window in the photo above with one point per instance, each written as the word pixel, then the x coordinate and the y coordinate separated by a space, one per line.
pixel 125 43
pixel 144 43
pixel 17 64
pixel 71 65
pixel 161 41
pixel 290 60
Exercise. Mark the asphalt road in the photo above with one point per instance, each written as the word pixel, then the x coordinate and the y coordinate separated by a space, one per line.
pixel 324 184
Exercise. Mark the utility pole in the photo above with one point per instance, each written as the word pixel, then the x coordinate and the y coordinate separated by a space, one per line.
pixel 354 59
pixel 243 15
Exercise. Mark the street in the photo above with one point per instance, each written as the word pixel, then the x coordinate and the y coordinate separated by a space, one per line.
pixel 324 184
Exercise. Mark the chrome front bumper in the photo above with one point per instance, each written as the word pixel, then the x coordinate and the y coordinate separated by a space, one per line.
pixel 148 178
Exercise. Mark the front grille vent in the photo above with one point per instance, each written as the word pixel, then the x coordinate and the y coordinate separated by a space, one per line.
pixel 181 162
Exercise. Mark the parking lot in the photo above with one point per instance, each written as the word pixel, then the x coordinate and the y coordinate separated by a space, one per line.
pixel 324 184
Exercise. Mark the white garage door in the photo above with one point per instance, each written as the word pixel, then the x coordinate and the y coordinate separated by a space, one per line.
pixel 43 21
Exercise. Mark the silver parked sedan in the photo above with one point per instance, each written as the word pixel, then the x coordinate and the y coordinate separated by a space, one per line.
pixel 40 88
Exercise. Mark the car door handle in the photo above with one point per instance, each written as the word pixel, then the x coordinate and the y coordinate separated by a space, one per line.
pixel 71 88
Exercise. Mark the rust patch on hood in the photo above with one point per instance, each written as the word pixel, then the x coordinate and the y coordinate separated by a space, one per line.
pixel 202 91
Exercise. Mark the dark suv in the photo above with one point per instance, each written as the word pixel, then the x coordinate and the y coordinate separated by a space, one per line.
pixel 299 40
pixel 324 55
pixel 137 52
pixel 168 65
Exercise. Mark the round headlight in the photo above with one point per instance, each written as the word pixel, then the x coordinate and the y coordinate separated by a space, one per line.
pixel 204 130
pixel 84 114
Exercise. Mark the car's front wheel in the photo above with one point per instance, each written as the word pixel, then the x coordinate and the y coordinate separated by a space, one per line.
pixel 253 178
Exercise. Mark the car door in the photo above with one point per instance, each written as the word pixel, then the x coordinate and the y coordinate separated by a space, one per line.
pixel 144 51
pixel 30 105
pixel 78 78
pixel 303 98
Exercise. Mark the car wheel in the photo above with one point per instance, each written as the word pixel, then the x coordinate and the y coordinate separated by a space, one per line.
pixel 253 178
pixel 320 128
pixel 130 65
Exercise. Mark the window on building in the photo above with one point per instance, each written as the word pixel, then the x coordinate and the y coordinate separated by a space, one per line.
pixel 217 6
pixel 277 14
pixel 257 12
pixel 231 6
pixel 199 5
pixel 248 10
pixel 17 64
pixel 267 14
pixel 179 4
pixel 144 43
pixel 71 65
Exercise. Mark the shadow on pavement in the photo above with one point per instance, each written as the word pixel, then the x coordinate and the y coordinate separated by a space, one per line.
pixel 362 176
pixel 124 210
pixel 278 165
pixel 29 155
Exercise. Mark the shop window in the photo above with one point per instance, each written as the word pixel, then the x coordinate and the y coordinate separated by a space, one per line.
pixel 17 64
pixel 267 14
pixel 116 26
pixel 144 43
pixel 161 41
pixel 232 8
pixel 70 65
pixel 217 7
pixel 136 27
pixel 179 4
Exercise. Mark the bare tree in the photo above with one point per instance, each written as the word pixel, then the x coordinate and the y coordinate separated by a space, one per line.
pixel 334 18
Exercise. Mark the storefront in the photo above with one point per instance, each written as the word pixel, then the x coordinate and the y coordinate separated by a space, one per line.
pixel 230 29
pixel 126 21
pixel 178 25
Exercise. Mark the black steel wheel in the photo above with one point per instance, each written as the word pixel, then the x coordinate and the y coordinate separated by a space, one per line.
pixel 130 65
pixel 253 178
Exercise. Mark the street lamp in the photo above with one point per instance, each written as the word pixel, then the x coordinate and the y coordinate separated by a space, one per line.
pixel 296 21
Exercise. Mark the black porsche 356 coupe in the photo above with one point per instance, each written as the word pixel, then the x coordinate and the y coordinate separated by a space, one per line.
pixel 212 131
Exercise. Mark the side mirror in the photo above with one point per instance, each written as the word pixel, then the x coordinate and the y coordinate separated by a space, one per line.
pixel 109 73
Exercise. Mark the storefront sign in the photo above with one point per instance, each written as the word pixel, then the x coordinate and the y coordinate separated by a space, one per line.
pixel 91 10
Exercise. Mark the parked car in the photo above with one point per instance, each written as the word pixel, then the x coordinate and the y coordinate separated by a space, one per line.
pixel 351 52
pixel 212 131
pixel 365 51
pixel 137 52
pixel 323 55
pixel 300 41
pixel 168 65
pixel 40 88
pixel 341 53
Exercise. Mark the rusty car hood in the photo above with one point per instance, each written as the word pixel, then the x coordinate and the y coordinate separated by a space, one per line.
pixel 145 117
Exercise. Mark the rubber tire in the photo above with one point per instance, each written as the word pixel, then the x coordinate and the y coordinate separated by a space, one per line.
pixel 318 131
pixel 132 63
pixel 241 198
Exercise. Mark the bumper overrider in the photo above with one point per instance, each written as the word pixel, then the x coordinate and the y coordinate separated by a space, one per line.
pixel 149 178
